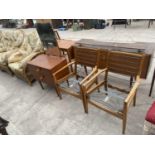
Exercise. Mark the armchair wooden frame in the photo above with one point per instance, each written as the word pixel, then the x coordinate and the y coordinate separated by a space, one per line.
pixel 118 62
pixel 84 57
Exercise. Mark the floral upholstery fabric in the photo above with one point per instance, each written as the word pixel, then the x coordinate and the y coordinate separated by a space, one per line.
pixel 17 38
pixel 19 67
pixel 31 44
pixel 5 55
pixel 20 53
pixel 3 41
pixel 10 43
pixel 35 42
pixel 17 47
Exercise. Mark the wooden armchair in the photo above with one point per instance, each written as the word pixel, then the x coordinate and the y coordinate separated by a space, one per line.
pixel 70 83
pixel 113 99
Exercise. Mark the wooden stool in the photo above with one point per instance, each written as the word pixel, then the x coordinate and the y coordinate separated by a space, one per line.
pixel 3 125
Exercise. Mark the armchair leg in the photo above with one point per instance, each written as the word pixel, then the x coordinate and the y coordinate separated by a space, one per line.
pixel 124 124
pixel 84 99
pixel 106 82
pixel 85 68
pixel 85 104
pixel 67 83
pixel 131 81
pixel 96 84
pixel 124 119
pixel 86 108
pixel 134 100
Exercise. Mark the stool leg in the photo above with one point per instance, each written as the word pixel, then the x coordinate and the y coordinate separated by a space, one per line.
pixel 152 83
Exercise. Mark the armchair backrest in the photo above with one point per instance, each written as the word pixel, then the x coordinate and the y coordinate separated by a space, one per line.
pixel 125 63
pixel 86 56
pixel 103 59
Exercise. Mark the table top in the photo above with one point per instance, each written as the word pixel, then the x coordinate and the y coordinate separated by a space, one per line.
pixel 130 47
pixel 46 62
pixel 65 44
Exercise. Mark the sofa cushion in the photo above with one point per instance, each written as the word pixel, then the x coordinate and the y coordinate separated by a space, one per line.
pixel 17 38
pixel 26 46
pixel 19 55
pixel 2 42
pixel 34 41
pixel 15 57
pixel 150 116
pixel 7 36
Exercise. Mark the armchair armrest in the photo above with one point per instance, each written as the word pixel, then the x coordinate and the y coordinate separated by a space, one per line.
pixel 89 76
pixel 69 64
pixel 132 93
pixel 88 83
pixel 63 73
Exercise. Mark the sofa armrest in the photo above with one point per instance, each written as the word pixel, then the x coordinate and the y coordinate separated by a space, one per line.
pixel 23 63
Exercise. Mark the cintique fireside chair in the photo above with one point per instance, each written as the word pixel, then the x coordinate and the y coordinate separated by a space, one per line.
pixel 113 99
pixel 70 82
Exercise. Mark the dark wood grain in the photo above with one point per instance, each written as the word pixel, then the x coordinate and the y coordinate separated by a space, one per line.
pixel 44 66
pixel 138 47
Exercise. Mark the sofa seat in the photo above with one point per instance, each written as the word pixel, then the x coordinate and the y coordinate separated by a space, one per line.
pixel 20 66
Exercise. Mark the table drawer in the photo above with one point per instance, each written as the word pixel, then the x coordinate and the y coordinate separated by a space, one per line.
pixel 34 71
pixel 41 74
pixel 46 77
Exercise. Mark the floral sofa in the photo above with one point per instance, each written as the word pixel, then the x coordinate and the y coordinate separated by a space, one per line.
pixel 10 42
pixel 17 47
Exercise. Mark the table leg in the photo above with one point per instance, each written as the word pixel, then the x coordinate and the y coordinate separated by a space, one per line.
pixel 41 84
pixel 152 83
